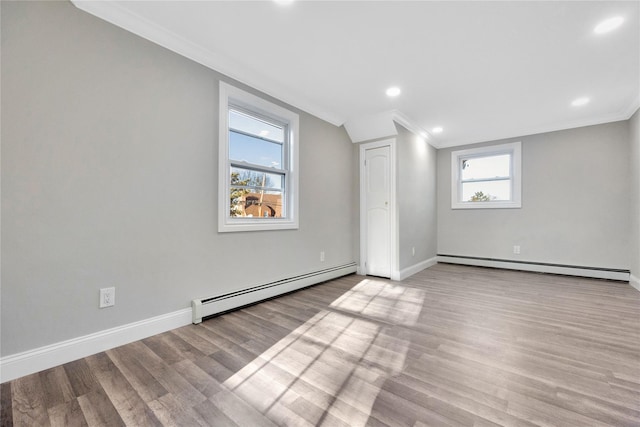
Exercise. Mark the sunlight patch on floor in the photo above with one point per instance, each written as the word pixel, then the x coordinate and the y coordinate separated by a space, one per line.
pixel 330 369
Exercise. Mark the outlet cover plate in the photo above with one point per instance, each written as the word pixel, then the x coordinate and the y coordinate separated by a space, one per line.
pixel 107 297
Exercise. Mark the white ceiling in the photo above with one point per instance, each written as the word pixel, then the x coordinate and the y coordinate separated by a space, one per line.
pixel 481 70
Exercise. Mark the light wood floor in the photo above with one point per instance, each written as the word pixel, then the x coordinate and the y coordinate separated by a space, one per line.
pixel 451 345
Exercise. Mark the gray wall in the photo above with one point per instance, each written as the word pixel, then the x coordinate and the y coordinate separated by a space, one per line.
pixel 109 178
pixel 416 198
pixel 575 203
pixel 634 164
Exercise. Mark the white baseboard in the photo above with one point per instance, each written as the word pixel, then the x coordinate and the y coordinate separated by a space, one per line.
pixel 595 273
pixel 416 268
pixel 32 361
pixel 634 281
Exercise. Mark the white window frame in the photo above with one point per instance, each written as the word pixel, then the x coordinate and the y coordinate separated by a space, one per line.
pixel 232 96
pixel 514 149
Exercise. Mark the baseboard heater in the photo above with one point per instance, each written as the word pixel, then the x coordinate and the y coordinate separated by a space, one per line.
pixel 539 267
pixel 205 307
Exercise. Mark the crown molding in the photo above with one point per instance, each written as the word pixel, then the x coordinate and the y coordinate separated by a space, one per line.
pixel 632 107
pixel 119 16
pixel 535 130
pixel 403 120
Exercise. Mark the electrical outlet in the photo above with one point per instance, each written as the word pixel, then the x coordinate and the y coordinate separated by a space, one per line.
pixel 321 256
pixel 107 297
pixel 516 249
pixel 413 251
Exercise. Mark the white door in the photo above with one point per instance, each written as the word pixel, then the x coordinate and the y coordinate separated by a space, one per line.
pixel 378 196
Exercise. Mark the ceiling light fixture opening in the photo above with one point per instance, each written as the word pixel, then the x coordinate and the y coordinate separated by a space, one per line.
pixel 393 91
pixel 580 101
pixel 283 2
pixel 608 25
pixel 437 129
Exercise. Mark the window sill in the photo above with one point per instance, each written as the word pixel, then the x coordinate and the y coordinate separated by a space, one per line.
pixel 239 225
pixel 486 205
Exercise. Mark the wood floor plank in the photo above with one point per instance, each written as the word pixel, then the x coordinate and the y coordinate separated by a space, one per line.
pixel 391 408
pixel 98 410
pixel 198 378
pixel 284 324
pixel 173 412
pixel 6 411
pixel 29 402
pixel 540 412
pixel 598 409
pixel 188 334
pixel 80 377
pixel 213 368
pixel 131 408
pixel 311 412
pixel 177 349
pixel 67 414
pixel 266 329
pixel 239 411
pixel 57 388
pixel 449 346
pixel 172 381
pixel 213 415
pixel 126 360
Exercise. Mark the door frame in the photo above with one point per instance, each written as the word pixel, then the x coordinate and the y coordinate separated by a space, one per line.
pixel 393 226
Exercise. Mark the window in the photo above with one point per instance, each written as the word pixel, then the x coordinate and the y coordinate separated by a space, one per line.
pixel 486 177
pixel 258 179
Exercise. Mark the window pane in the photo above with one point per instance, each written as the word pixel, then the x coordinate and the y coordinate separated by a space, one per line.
pixel 486 191
pixel 258 180
pixel 256 204
pixel 255 126
pixel 486 167
pixel 256 151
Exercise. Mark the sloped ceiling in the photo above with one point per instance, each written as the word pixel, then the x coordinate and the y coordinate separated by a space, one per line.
pixel 481 70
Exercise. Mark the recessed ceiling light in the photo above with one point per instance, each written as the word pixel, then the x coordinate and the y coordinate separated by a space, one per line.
pixel 437 129
pixel 284 2
pixel 608 25
pixel 393 91
pixel 580 101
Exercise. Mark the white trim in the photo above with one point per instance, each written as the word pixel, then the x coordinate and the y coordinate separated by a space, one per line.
pixel 515 150
pixel 395 275
pixel 536 130
pixel 631 108
pixel 400 118
pixel 416 268
pixel 118 15
pixel 254 103
pixel 391 143
pixel 539 268
pixel 32 361
pixel 634 281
